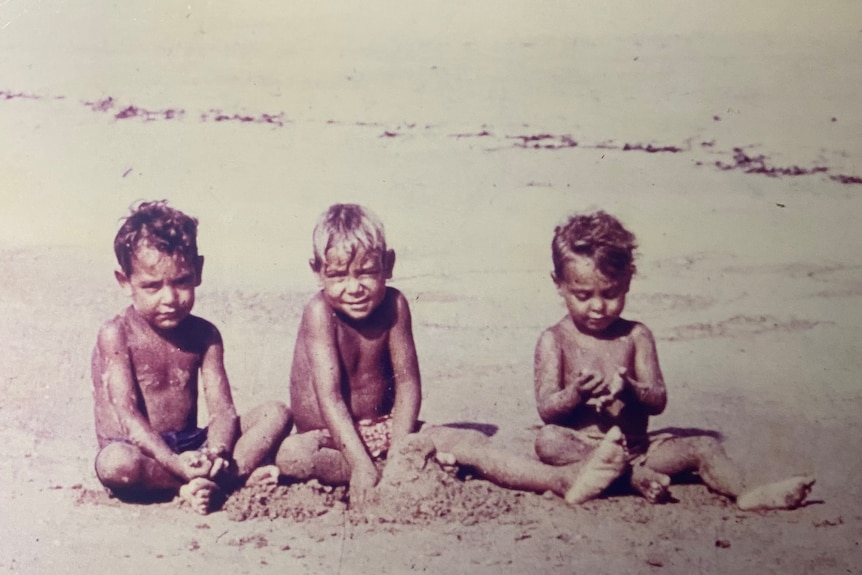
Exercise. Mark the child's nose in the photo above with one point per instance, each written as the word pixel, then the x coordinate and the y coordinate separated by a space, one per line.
pixel 353 285
pixel 597 304
pixel 169 295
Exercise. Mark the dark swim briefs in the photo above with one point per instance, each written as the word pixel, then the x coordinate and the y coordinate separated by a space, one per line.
pixel 178 441
pixel 186 440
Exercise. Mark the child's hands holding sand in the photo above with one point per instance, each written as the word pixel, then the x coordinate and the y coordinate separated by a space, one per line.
pixel 219 462
pixel 194 464
pixel 605 394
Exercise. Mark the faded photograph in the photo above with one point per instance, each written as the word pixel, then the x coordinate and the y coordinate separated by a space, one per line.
pixel 459 287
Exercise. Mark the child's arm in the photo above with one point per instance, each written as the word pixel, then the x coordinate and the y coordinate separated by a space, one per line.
pixel 223 425
pixel 647 383
pixel 405 365
pixel 117 376
pixel 555 398
pixel 326 376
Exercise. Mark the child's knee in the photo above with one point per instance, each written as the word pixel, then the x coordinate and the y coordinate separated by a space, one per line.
pixel 546 439
pixel 295 456
pixel 558 446
pixel 275 414
pixel 119 465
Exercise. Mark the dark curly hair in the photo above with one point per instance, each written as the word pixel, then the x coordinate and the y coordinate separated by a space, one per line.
pixel 159 226
pixel 597 235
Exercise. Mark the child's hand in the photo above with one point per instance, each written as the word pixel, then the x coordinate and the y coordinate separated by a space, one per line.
pixel 362 481
pixel 590 383
pixel 618 382
pixel 194 464
pixel 218 462
pixel 608 401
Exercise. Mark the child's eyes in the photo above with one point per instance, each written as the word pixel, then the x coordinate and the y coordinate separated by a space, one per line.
pixel 584 296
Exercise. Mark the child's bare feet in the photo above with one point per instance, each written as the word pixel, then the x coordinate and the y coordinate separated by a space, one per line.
pixel 198 493
pixel 786 494
pixel 265 476
pixel 652 485
pixel 603 465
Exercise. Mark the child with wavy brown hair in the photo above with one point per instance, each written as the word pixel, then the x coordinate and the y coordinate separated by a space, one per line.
pixel 596 371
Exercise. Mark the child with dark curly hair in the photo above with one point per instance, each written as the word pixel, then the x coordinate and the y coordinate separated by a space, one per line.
pixel 148 364
pixel 596 371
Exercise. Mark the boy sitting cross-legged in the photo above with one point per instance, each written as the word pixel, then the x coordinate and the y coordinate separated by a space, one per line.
pixel 148 366
pixel 355 385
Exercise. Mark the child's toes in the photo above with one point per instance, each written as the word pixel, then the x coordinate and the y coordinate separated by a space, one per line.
pixel 614 435
pixel 263 476
pixel 653 486
pixel 657 491
pixel 197 493
pixel 445 459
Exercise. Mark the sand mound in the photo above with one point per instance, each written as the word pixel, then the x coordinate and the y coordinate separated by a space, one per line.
pixel 414 489
pixel 296 502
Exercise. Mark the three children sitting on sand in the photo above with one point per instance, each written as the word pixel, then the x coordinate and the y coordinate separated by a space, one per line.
pixel 355 388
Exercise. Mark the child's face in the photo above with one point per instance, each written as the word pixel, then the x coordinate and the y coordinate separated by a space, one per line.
pixel 593 300
pixel 162 286
pixel 355 283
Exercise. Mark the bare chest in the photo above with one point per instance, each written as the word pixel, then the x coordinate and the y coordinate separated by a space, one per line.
pixel 602 356
pixel 364 355
pixel 165 369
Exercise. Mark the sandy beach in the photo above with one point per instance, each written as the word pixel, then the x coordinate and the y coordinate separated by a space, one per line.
pixel 726 135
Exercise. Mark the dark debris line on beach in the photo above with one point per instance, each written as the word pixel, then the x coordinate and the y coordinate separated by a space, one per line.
pixel 740 160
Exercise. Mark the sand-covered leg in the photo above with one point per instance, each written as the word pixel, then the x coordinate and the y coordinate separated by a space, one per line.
pixel 786 494
pixel 603 465
pixel 198 494
pixel 264 476
pixel 652 485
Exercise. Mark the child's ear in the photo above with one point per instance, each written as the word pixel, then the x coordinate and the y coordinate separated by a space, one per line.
pixel 199 270
pixel 124 282
pixel 388 263
pixel 315 266
pixel 555 278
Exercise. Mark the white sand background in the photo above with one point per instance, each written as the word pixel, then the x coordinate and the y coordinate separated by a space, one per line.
pixel 752 284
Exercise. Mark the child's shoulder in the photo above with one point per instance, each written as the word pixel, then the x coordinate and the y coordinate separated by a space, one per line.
pixel 128 330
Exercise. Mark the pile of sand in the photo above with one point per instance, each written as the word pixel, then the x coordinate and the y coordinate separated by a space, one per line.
pixel 414 489
pixel 296 502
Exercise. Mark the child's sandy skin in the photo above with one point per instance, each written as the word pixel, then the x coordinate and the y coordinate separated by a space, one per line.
pixel 355 359
pixel 595 370
pixel 150 363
